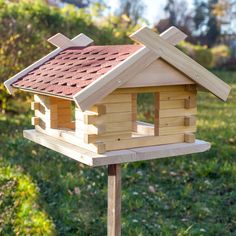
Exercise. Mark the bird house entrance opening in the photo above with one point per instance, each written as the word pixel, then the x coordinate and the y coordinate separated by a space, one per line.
pixel 145 114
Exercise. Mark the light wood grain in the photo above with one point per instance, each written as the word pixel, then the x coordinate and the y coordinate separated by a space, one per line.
pixel 115 157
pixel 178 112
pixel 189 137
pixel 182 62
pixel 121 73
pixel 158 73
pixel 114 200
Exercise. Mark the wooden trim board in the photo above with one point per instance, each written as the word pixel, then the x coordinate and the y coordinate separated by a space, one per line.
pixel 115 157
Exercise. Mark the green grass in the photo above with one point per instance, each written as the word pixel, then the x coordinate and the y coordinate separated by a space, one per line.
pixel 43 193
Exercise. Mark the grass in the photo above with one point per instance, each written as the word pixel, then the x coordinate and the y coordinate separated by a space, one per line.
pixel 43 193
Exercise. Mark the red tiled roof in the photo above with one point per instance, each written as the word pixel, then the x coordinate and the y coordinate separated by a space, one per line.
pixel 74 68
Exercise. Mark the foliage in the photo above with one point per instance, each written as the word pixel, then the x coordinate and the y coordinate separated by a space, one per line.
pixel 25 27
pixel 221 55
pixel 132 9
pixel 207 21
pixel 199 53
pixel 43 193
pixel 208 57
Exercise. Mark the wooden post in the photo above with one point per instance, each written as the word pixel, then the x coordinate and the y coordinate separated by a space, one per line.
pixel 114 200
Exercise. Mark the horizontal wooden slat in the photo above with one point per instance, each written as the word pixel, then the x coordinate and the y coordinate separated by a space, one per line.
pixel 70 137
pixel 171 121
pixel 189 138
pixel 176 95
pixel 116 98
pixel 113 136
pixel 172 104
pixel 178 112
pixel 176 130
pixel 109 118
pixel 118 107
pixel 176 88
pixel 144 141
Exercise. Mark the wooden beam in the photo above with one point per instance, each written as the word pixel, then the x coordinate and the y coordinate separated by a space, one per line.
pixel 190 121
pixel 35 120
pixel 61 41
pixel 115 157
pixel 134 111
pixel 122 73
pixel 182 62
pixel 156 114
pixel 35 105
pixel 114 200
pixel 189 137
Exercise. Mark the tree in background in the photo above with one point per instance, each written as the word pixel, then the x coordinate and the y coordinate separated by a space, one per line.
pixel 208 20
pixel 178 15
pixel 133 10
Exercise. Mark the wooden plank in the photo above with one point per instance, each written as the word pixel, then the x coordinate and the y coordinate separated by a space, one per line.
pixel 99 109
pixel 115 157
pixel 176 95
pixel 134 111
pixel 92 118
pixel 79 40
pixel 144 141
pixel 61 41
pixel 114 136
pixel 182 62
pixel 176 130
pixel 35 105
pixel 156 114
pixel 71 137
pixel 172 104
pixel 118 127
pixel 190 102
pixel 116 98
pixel 118 107
pixel 145 128
pixel 114 200
pixel 159 73
pixel 178 112
pixel 120 74
pixel 35 120
pixel 172 121
pixel 189 120
pixel 189 137
pixel 154 89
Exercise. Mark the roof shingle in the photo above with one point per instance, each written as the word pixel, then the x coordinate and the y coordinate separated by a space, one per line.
pixel 74 69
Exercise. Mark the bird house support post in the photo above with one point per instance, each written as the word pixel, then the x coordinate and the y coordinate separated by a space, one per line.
pixel 114 200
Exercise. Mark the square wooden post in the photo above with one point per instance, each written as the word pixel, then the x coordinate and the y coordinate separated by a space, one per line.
pixel 114 200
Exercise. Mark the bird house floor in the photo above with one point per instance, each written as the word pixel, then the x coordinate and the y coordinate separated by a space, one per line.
pixel 115 157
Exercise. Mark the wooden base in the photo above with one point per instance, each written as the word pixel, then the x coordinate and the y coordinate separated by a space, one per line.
pixel 114 200
pixel 115 157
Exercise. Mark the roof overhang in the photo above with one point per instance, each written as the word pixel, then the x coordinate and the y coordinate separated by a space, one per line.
pixel 61 42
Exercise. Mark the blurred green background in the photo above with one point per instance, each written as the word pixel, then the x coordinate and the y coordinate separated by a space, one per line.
pixel 43 193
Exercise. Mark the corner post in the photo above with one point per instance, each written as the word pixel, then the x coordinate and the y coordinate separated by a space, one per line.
pixel 114 200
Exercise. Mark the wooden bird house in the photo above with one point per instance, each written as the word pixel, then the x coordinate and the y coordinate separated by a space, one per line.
pixel 86 95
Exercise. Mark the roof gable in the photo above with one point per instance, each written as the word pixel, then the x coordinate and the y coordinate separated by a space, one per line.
pixel 158 73
pixel 182 62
